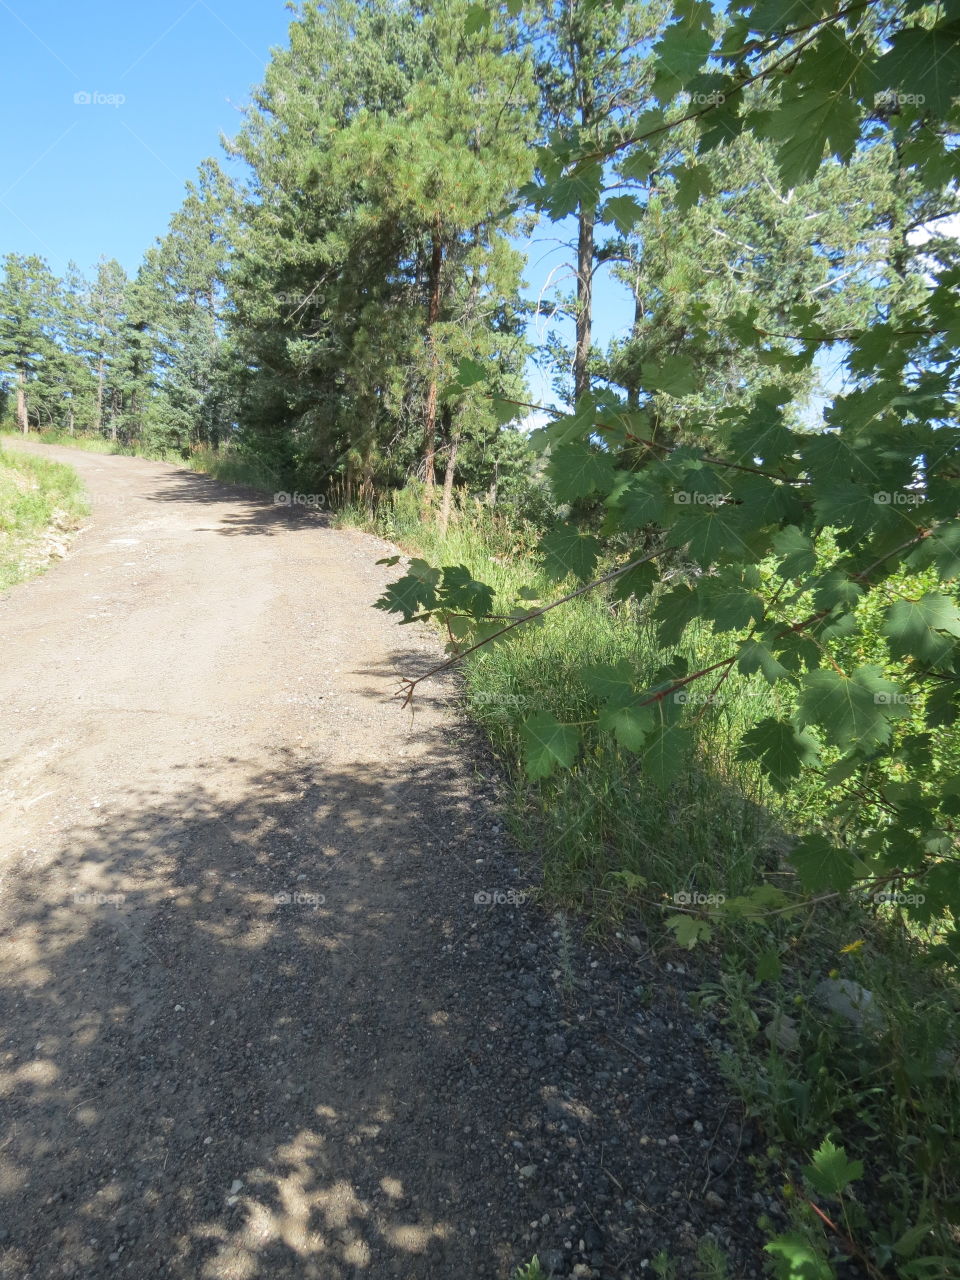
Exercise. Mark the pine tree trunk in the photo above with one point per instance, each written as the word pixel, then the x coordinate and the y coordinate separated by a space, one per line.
pixel 448 479
pixel 430 411
pixel 100 381
pixel 70 422
pixel 22 422
pixel 585 242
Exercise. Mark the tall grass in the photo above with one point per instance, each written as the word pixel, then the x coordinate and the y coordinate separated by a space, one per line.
pixel 37 498
pixel 605 817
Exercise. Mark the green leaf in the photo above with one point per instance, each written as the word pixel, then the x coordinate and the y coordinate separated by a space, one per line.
pixel 683 49
pixel 925 63
pixel 675 375
pixel 630 725
pixel 851 711
pixel 797 551
pixel 639 504
pixel 478 17
pixel 768 966
pixel 823 865
pixel 693 182
pixel 807 123
pixel 469 373
pixel 674 612
pixel 567 550
pixel 755 656
pixel 638 581
pixel 461 591
pixel 667 755
pixel 607 680
pixel 623 211
pixel 413 593
pixel 797 1259
pixel 579 469
pixel 783 750
pixel 831 1172
pixel 504 410
pixel 579 189
pixel 548 744
pixel 728 608
pixel 708 532
pixel 923 629
pixel 689 930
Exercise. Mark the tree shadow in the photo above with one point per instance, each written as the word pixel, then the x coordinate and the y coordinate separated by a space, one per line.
pixel 262 513
pixel 287 1033
pixel 267 992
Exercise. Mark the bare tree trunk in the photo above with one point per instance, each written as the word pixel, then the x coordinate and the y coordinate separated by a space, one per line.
pixel 22 422
pixel 585 249
pixel 70 421
pixel 633 387
pixel 448 479
pixel 433 315
pixel 492 494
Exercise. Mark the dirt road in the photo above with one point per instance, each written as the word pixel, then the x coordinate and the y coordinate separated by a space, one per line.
pixel 254 1022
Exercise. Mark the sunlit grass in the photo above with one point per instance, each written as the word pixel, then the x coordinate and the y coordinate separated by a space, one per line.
pixel 37 497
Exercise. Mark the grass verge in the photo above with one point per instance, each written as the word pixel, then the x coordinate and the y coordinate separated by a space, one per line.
pixel 41 504
pixel 841 1026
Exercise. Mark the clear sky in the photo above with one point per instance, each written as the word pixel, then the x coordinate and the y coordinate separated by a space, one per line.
pixel 110 106
pixel 84 179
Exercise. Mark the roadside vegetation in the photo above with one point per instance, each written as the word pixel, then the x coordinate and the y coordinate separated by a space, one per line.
pixel 42 504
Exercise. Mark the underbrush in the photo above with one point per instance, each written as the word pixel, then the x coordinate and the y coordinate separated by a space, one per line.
pixel 840 1023
pixel 41 504
pixel 228 464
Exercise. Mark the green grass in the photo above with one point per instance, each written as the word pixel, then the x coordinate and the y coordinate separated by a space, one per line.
pixel 615 845
pixel 227 464
pixel 37 498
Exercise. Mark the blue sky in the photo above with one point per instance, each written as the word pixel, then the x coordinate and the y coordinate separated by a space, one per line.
pixel 79 180
pixel 85 179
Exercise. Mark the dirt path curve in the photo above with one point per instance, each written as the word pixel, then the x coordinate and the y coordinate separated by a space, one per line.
pixel 253 1022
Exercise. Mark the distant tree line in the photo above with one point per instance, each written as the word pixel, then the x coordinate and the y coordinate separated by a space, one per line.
pixel 315 308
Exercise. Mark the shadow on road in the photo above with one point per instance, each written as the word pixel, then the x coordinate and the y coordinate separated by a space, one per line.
pixel 262 513
pixel 238 1040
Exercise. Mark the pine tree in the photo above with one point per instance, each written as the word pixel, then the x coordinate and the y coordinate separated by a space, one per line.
pixel 27 289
